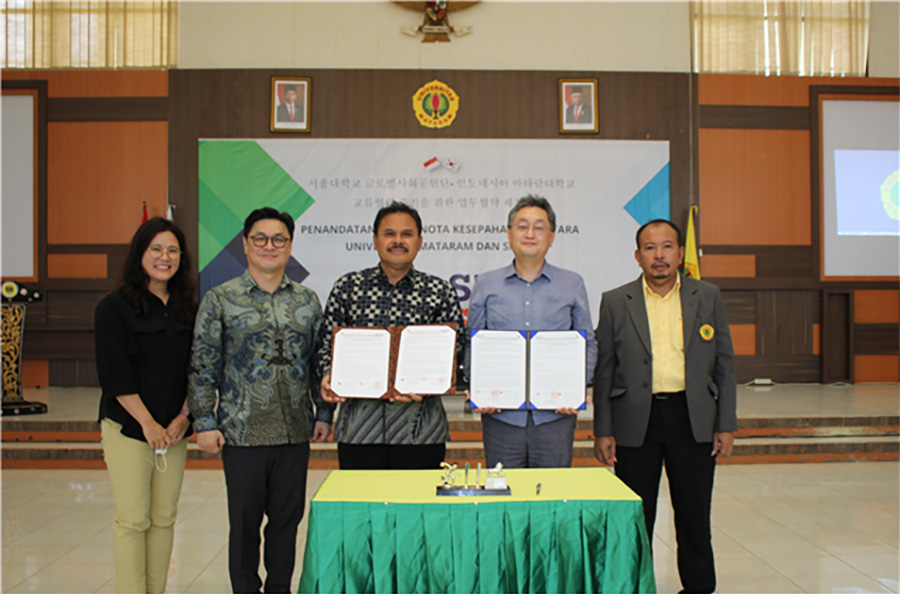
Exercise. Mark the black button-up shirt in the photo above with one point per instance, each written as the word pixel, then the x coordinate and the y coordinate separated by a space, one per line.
pixel 143 355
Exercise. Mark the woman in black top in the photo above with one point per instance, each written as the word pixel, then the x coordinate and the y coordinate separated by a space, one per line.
pixel 143 332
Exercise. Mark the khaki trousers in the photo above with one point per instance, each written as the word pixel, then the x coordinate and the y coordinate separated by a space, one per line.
pixel 146 505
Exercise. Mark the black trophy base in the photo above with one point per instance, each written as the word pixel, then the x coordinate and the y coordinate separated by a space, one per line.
pixel 23 407
pixel 472 491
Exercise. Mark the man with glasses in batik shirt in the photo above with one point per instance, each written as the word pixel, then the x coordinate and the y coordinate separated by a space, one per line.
pixel 252 387
pixel 407 431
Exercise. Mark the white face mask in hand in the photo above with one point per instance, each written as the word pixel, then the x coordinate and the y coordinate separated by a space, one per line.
pixel 161 453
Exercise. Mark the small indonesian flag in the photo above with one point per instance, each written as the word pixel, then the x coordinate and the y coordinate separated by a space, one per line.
pixel 432 163
pixel 144 215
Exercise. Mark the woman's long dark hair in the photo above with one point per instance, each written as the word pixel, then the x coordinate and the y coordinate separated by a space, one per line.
pixel 135 281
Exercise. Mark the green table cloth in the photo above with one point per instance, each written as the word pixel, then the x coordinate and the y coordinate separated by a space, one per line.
pixel 387 531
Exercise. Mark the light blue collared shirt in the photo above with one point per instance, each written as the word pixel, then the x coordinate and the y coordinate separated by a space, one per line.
pixel 556 300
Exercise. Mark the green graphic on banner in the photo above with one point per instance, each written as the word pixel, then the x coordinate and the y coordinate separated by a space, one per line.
pixel 237 177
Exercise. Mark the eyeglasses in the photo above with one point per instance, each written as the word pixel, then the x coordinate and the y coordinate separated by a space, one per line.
pixel 260 240
pixel 157 251
pixel 538 228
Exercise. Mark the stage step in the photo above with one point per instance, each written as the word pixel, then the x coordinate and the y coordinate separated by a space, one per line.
pixel 76 444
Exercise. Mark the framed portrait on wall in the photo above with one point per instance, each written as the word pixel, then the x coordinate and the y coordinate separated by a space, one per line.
pixel 578 106
pixel 289 104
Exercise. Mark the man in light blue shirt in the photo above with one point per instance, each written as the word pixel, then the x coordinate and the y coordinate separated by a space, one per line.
pixel 530 295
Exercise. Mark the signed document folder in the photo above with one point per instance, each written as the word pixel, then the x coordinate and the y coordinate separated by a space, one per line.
pixel 519 370
pixel 379 362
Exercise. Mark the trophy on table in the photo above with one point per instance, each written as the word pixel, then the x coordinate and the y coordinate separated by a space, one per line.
pixel 495 482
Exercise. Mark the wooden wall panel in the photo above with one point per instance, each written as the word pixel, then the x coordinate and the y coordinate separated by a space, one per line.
pixel 876 306
pixel 740 306
pixel 877 368
pixel 73 372
pixel 758 118
pixel 235 104
pixel 837 336
pixel 755 183
pixel 72 309
pixel 107 109
pixel 876 339
pixel 741 198
pixel 750 89
pixel 352 103
pixel 784 322
pixel 780 368
pixel 115 255
pixel 35 373
pixel 776 333
pixel 743 337
pixel 101 173
pixel 786 261
pixel 728 266
pixel 98 83
pixel 35 314
pixel 59 344
pixel 76 266
pixel 750 190
pixel 785 265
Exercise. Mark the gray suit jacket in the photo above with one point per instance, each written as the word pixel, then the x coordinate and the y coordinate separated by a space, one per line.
pixel 623 380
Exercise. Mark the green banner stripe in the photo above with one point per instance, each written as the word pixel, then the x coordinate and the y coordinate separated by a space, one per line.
pixel 245 177
pixel 208 247
pixel 217 223
pixel 236 177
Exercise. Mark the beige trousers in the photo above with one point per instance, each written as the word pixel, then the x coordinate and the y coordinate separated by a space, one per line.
pixel 146 505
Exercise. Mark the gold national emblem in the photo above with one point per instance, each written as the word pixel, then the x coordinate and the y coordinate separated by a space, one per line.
pixel 435 105
pixel 707 332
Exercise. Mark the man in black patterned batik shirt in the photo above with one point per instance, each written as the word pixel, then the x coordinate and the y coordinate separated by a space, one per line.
pixel 407 431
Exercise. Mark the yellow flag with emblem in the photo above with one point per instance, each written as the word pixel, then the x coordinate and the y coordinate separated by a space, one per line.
pixel 691 259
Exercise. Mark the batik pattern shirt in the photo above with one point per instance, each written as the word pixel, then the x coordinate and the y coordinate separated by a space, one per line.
pixel 366 298
pixel 256 349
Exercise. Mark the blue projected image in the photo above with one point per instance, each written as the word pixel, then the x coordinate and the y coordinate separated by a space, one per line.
pixel 867 192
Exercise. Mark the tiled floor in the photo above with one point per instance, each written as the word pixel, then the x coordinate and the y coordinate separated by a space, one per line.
pixel 776 528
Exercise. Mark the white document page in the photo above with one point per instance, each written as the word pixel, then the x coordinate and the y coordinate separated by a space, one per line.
pixel 359 363
pixel 497 369
pixel 557 369
pixel 425 360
